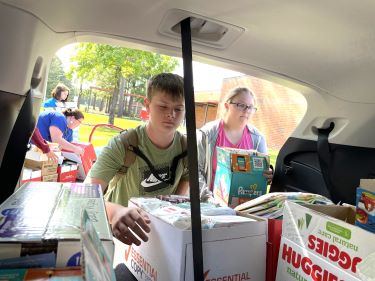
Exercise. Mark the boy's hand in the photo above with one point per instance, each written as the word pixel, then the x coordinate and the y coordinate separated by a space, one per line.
pixel 129 221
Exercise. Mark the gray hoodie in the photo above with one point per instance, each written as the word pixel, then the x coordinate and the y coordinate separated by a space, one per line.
pixel 206 140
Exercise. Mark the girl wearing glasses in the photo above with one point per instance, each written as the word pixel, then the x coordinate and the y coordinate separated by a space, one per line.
pixel 234 131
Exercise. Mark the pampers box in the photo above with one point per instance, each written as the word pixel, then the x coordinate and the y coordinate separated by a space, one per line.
pixel 44 218
pixel 321 243
pixel 239 175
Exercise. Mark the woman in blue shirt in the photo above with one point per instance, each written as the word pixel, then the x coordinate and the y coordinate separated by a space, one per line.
pixel 59 96
pixel 58 127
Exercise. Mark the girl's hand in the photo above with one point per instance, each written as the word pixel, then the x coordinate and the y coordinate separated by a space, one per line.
pixel 52 157
pixel 269 175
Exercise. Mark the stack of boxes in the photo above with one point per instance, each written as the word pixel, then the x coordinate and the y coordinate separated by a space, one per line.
pixel 38 168
pixel 49 234
pixel 37 161
pixel 67 172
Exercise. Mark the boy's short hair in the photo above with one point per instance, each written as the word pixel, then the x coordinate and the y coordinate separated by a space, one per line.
pixel 56 92
pixel 169 83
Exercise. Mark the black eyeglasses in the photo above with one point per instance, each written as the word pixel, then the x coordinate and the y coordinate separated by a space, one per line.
pixel 244 107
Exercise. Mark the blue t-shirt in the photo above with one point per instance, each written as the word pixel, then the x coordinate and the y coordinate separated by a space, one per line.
pixel 50 103
pixel 57 119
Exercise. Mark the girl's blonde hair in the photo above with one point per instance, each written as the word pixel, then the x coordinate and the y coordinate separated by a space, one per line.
pixel 239 90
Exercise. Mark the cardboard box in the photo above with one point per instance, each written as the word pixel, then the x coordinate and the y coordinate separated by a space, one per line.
pixel 297 263
pixel 67 172
pixel 84 161
pixel 50 178
pixel 325 232
pixel 365 205
pixel 237 252
pixel 46 167
pixel 239 176
pixel 41 274
pixel 45 217
pixel 29 175
pixel 36 154
pixel 273 246
pixel 95 264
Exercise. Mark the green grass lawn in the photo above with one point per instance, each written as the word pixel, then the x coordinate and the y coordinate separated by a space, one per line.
pixel 273 156
pixel 101 135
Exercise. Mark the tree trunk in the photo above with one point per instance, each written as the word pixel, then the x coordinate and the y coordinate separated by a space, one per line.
pixel 108 105
pixel 130 106
pixel 126 102
pixel 120 112
pixel 111 118
pixel 101 106
pixel 94 102
pixel 79 95
pixel 89 101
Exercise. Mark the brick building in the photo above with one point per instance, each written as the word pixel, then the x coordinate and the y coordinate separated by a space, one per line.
pixel 280 109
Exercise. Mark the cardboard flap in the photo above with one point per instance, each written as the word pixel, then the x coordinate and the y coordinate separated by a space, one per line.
pixel 345 213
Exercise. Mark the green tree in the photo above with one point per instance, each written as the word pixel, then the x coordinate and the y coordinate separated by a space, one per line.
pixel 57 75
pixel 112 67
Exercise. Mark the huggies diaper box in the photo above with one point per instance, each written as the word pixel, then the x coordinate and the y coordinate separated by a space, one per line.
pixel 317 246
pixel 45 218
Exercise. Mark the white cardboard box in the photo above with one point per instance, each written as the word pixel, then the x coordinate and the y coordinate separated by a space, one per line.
pixel 29 174
pixel 41 214
pixel 229 253
pixel 333 240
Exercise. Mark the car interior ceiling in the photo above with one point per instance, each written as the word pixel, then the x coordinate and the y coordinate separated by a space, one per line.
pixel 299 164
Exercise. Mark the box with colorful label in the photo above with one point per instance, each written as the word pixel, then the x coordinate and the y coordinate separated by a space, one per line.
pixel 297 263
pixel 236 252
pixel 327 233
pixel 41 274
pixel 43 217
pixel 239 176
pixel 365 205
pixel 84 161
pixel 67 172
pixel 95 263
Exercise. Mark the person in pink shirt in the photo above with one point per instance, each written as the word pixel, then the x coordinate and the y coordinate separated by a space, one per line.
pixel 233 130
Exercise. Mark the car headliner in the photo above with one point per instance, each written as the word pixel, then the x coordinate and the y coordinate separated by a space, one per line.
pixel 328 45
